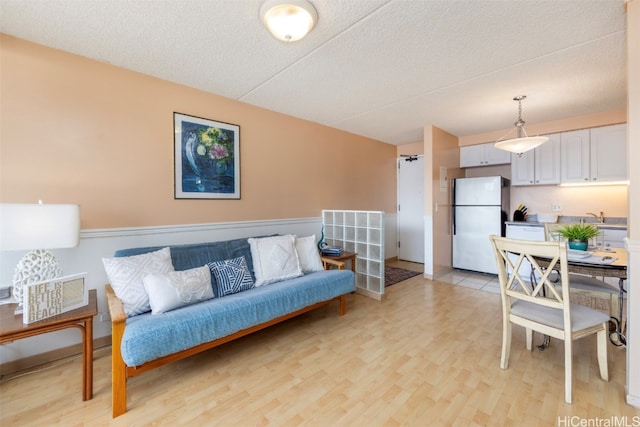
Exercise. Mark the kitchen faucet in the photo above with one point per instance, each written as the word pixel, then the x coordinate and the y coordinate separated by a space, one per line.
pixel 599 218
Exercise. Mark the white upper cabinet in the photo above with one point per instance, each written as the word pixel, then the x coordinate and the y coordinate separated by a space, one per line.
pixel 483 155
pixel 609 153
pixel 593 155
pixel 540 166
pixel 576 156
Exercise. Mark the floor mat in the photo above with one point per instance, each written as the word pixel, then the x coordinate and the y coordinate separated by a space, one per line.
pixel 393 275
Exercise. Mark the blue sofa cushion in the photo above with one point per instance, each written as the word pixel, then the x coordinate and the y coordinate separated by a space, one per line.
pixel 148 337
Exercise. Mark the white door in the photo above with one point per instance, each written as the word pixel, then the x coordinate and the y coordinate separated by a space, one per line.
pixel 411 209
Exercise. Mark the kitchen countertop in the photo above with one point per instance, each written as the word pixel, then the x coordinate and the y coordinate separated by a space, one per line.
pixel 605 226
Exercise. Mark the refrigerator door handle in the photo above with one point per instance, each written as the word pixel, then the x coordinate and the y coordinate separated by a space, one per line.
pixel 453 208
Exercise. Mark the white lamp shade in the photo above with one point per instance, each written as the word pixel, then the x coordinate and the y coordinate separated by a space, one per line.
pixel 38 226
pixel 521 145
pixel 288 20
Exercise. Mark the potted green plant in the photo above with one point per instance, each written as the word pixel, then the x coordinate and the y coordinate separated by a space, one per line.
pixel 578 235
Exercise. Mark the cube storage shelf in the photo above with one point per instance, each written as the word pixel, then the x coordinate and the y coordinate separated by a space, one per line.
pixel 361 232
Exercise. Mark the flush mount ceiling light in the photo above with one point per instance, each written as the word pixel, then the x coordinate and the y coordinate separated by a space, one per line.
pixel 288 20
pixel 521 143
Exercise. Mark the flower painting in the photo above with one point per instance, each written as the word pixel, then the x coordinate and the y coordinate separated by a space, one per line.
pixel 207 158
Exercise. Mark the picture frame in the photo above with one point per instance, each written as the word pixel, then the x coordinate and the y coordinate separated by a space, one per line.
pixel 207 158
pixel 52 297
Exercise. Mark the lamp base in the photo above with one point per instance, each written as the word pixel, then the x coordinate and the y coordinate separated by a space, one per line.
pixel 36 266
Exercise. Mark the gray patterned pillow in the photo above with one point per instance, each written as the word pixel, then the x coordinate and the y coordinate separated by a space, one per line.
pixel 125 276
pixel 231 275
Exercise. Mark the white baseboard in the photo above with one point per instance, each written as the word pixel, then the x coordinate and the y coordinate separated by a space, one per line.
pixel 633 400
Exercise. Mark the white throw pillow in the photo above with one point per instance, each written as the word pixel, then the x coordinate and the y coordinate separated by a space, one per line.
pixel 177 288
pixel 274 259
pixel 308 254
pixel 125 276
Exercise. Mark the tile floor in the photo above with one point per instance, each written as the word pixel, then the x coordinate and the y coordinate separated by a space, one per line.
pixel 483 282
pixel 469 279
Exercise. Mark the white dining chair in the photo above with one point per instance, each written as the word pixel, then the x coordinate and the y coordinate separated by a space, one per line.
pixel 541 306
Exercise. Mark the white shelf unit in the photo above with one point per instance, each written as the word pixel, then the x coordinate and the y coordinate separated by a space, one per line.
pixel 361 232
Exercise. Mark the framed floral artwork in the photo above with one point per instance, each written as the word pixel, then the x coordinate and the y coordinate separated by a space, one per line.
pixel 207 158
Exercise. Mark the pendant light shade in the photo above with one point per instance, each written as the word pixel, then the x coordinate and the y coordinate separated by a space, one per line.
pixel 522 142
pixel 521 145
pixel 288 20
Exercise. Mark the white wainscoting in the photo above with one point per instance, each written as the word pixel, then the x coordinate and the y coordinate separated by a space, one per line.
pixel 102 243
pixel 428 246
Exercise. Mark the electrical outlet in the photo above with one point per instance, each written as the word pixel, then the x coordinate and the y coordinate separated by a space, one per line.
pixel 556 207
pixel 104 317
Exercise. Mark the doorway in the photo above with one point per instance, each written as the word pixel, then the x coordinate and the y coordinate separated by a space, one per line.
pixel 411 208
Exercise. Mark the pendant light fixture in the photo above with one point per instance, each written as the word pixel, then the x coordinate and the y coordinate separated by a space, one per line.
pixel 288 20
pixel 521 143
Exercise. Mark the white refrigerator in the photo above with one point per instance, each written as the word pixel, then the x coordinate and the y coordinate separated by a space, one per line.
pixel 480 209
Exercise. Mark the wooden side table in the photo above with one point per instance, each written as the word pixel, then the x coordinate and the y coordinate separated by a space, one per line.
pixel 339 260
pixel 12 328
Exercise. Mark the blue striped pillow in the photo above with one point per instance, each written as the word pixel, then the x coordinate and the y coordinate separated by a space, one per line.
pixel 232 275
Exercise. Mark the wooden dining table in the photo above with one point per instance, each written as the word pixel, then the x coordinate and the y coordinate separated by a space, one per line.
pixel 610 262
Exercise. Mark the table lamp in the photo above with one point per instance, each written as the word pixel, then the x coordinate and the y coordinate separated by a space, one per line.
pixel 37 227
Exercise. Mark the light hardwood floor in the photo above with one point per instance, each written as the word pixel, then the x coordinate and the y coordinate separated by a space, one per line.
pixel 426 356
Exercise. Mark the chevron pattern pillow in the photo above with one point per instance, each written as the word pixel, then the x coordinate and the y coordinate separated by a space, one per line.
pixel 232 275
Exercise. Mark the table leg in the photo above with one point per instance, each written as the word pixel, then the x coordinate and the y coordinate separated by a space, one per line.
pixel 87 360
pixel 617 337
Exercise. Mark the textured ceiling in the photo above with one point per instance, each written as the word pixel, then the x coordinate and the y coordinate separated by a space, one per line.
pixel 379 68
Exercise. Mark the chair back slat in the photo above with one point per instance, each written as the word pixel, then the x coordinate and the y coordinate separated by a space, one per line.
pixel 544 291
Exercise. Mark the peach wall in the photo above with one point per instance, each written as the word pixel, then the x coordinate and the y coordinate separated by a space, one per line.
pixel 446 154
pixel 410 149
pixel 74 130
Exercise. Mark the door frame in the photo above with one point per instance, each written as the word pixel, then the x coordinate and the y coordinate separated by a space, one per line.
pixel 398 207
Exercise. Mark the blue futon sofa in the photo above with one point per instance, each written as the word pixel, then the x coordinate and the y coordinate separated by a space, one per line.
pixel 145 341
